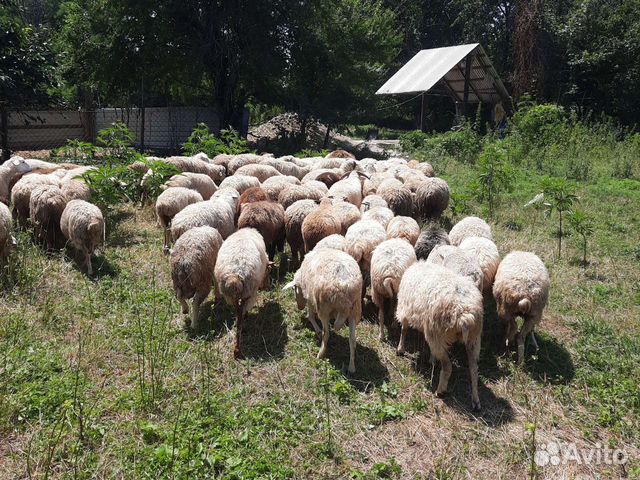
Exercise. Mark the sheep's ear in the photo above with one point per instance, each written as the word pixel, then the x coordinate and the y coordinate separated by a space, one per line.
pixel 289 285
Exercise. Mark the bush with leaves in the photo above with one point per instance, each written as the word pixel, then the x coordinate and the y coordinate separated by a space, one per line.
pixel 462 144
pixel 494 175
pixel 202 140
pixel 308 153
pixel 76 151
pixel 560 196
pixel 117 144
pixel 583 225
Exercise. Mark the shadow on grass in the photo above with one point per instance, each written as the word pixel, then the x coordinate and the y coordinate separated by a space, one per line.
pixel 102 267
pixel 551 364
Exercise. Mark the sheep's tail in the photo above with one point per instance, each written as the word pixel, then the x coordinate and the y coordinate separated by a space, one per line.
pixel 358 252
pixel 524 305
pixel 387 283
pixel 233 286
pixel 466 323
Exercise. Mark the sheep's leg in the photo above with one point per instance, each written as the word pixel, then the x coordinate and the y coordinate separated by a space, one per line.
pixel 312 319
pixel 325 337
pixel 527 328
pixel 237 351
pixel 165 249
pixel 403 337
pixel 473 354
pixel 534 341
pixel 340 321
pixel 185 305
pixel 445 367
pixel 512 330
pixel 381 319
pixel 216 292
pixel 198 298
pixel 352 345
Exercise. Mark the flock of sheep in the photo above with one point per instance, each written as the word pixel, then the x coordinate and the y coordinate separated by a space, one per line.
pixel 350 225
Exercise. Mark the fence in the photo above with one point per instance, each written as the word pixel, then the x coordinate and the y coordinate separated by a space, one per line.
pixel 155 128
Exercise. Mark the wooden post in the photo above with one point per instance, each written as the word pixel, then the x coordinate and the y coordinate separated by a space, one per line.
pixel 467 76
pixel 142 129
pixel 422 109
pixel 4 131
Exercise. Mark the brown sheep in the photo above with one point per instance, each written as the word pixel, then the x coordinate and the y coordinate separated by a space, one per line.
pixel 267 218
pixel 320 223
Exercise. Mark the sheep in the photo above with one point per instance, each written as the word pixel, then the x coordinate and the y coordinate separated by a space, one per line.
pixel 10 173
pixel 329 283
pixel 46 204
pixel 335 241
pixel 260 171
pixel 21 193
pixel 242 267
pixel 321 187
pixel 397 197
pixel 216 212
pixel 328 176
pixel 267 218
pixel 169 203
pixel 389 261
pixel 293 218
pixel 239 182
pixel 486 254
pixel 446 308
pixel 425 167
pixel 431 236
pixel 75 190
pixel 463 263
pixel 347 213
pixel 320 223
pixel 196 165
pixel 469 227
pixel 250 195
pixel 405 228
pixel 360 241
pixel 6 239
pixel 242 160
pixel 521 288
pixel 199 182
pixel 340 154
pixel 274 185
pixel 228 195
pixel 440 252
pixel 193 260
pixel 381 215
pixel 370 185
pixel 432 198
pixel 372 201
pixel 286 167
pixel 82 224
pixel 293 193
pixel 349 189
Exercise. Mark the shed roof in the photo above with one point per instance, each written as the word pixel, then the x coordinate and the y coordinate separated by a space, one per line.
pixel 441 70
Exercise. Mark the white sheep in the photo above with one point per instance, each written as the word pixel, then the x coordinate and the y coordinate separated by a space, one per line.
pixel 193 260
pixel 75 190
pixel 241 269
pixel 10 173
pixel 372 201
pixel 239 183
pixel 274 185
pixel 405 228
pixel 197 165
pixel 389 261
pixel 169 203
pixel 521 288
pixel 6 239
pixel 46 204
pixel 21 193
pixel 348 189
pixel 329 283
pixel 347 212
pixel 215 212
pixel 382 215
pixel 469 227
pixel 199 182
pixel 82 224
pixel 486 254
pixel 446 308
pixel 361 240
pixel 335 241
pixel 260 171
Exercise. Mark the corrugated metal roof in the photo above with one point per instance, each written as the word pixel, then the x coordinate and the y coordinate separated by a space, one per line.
pixel 443 69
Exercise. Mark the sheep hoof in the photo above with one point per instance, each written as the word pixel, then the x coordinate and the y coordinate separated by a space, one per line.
pixel 441 394
pixel 475 406
pixel 400 352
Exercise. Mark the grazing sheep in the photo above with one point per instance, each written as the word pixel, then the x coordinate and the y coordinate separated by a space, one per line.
pixel 463 263
pixel 335 241
pixel 329 283
pixel 6 239
pixel 75 190
pixel 46 205
pixel 321 187
pixel 293 218
pixel 372 201
pixel 405 228
pixel 260 171
pixel 486 254
pixel 320 223
pixel 361 240
pixel 286 167
pixel 274 185
pixel 398 197
pixel 430 237
pixel 266 217
pixel 440 252
pixel 228 195
pixel 241 269
pixel 253 194
pixel 293 193
pixel 446 308
pixel 169 203
pixel 340 154
pixel 389 261
pixel 371 184
pixel 193 260
pixel 216 213
pixel 521 288
pixel 425 167
pixel 21 193
pixel 469 227
pixel 199 182
pixel 239 183
pixel 347 213
pixel 432 198
pixel 382 215
pixel 82 224
pixel 10 173
pixel 196 165
pixel 242 160
pixel 349 189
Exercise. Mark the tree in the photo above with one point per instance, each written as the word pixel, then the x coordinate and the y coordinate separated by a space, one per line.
pixel 495 175
pixel 560 196
pixel 583 225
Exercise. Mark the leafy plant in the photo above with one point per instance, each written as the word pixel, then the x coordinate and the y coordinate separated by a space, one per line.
pixel 494 176
pixel 76 151
pixel 108 185
pixel 117 141
pixel 307 153
pixel 459 204
pixel 202 140
pixel 583 225
pixel 560 196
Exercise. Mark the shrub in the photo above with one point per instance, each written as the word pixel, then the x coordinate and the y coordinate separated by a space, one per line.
pixel 117 142
pixel 539 124
pixel 412 141
pixel 202 140
pixel 307 152
pixel 495 175
pixel 462 144
pixel 76 151
pixel 560 196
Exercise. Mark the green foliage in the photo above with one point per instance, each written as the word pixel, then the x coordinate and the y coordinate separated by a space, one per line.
pixel 117 144
pixel 583 225
pixel 412 141
pixel 560 196
pixel 462 144
pixel 76 151
pixel 539 124
pixel 494 175
pixel 202 140
pixel 307 153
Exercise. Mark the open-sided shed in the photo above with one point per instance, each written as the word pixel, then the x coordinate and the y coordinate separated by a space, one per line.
pixel 463 72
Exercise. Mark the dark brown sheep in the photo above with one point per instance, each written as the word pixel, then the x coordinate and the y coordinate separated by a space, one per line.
pixel 267 218
pixel 320 223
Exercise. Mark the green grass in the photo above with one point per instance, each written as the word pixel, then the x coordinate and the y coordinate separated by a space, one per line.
pixel 100 379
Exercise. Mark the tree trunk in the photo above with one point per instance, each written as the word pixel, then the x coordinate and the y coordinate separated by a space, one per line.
pixel 326 137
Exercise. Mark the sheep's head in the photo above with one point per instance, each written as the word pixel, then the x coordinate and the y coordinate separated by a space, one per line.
pixel 18 165
pixel 294 284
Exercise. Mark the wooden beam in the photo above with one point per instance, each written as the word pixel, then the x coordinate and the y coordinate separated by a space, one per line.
pixel 422 106
pixel 465 75
pixel 467 81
